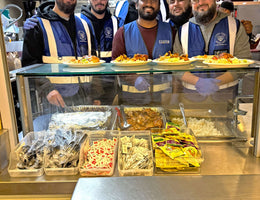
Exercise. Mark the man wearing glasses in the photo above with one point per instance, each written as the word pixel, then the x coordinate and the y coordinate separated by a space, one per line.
pixel 211 32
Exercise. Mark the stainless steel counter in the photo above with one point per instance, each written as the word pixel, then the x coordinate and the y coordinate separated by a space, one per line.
pixel 168 187
pixel 231 166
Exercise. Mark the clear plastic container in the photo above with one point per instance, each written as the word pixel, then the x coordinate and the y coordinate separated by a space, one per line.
pixel 135 156
pixel 182 163
pixel 66 154
pixel 87 165
pixel 34 142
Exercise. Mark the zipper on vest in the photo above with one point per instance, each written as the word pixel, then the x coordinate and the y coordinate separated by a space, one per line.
pixel 99 51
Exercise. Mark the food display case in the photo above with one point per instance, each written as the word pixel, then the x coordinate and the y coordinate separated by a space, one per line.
pixel 227 148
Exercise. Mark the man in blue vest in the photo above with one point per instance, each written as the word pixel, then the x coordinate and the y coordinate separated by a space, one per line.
pixel 103 24
pixel 104 27
pixel 211 32
pixel 180 12
pixel 58 34
pixel 149 36
pixel 126 11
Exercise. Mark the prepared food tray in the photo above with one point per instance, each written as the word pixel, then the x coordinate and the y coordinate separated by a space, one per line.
pixel 84 117
pixel 205 125
pixel 98 154
pixel 61 154
pixel 144 118
pixel 176 150
pixel 135 156
pixel 26 160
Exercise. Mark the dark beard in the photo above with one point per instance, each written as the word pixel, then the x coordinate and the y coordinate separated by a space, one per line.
pixel 66 8
pixel 205 17
pixel 99 11
pixel 181 19
pixel 149 17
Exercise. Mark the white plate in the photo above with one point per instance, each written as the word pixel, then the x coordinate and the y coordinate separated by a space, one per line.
pixel 228 65
pixel 79 65
pixel 70 69
pixel 127 64
pixel 174 63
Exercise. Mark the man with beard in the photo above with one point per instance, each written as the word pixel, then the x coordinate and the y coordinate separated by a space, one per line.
pixel 180 12
pixel 103 24
pixel 211 32
pixel 58 34
pixel 104 27
pixel 149 36
pixel 126 11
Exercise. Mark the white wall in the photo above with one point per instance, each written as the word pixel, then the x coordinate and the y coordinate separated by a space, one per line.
pixel 252 13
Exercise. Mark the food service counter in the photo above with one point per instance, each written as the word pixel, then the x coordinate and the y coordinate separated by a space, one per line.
pixel 228 164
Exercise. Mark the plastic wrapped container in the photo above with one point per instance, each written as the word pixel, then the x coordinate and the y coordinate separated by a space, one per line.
pixel 61 155
pixel 84 117
pixel 176 151
pixel 28 154
pixel 98 154
pixel 135 156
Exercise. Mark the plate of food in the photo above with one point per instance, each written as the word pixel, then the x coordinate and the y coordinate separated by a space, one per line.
pixel 88 61
pixel 202 57
pixel 226 60
pixel 136 60
pixel 173 59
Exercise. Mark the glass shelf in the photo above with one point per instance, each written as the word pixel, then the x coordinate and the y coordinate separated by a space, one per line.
pixel 109 68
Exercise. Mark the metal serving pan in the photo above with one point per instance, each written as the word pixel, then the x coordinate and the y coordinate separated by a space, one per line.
pixel 87 112
pixel 160 110
pixel 223 123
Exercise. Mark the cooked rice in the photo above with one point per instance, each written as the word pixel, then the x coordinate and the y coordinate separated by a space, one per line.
pixel 200 127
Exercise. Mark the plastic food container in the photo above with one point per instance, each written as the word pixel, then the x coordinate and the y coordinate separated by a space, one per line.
pixel 63 159
pixel 28 154
pixel 135 156
pixel 176 151
pixel 98 154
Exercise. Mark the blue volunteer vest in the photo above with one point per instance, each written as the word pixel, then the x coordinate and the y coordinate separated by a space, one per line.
pixel 134 42
pixel 121 11
pixel 63 40
pixel 219 41
pixel 106 38
pixel 65 47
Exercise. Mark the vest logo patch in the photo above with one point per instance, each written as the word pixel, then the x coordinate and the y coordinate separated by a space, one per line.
pixel 221 39
pixel 82 36
pixel 108 33
pixel 164 41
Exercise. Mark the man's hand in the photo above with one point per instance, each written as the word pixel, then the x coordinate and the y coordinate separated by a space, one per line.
pixel 207 86
pixel 248 26
pixel 55 98
pixel 141 84
pixel 30 23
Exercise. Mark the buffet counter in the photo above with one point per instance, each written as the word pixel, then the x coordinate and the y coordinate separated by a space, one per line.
pixel 232 164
